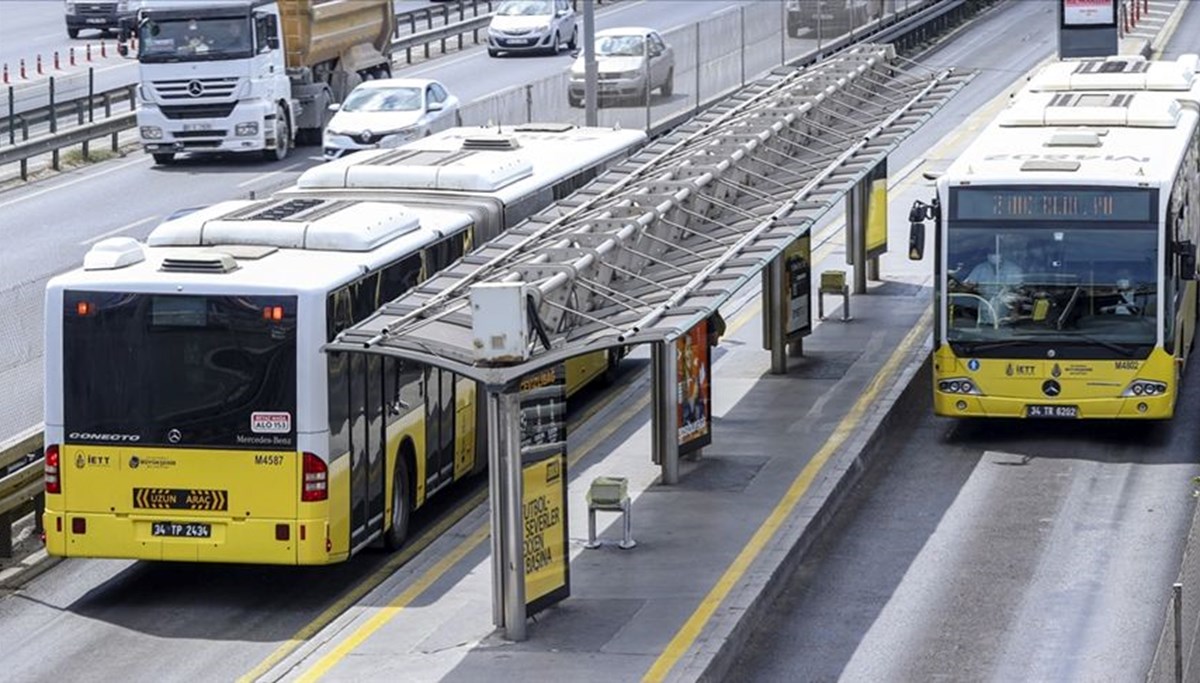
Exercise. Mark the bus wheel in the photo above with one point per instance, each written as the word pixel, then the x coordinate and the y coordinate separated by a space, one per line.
pixel 401 506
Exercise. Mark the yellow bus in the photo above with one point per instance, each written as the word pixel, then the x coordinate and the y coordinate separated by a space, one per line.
pixel 190 412
pixel 1066 246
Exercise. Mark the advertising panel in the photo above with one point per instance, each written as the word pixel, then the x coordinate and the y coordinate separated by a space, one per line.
pixel 877 208
pixel 544 485
pixel 797 287
pixel 1089 12
pixel 693 404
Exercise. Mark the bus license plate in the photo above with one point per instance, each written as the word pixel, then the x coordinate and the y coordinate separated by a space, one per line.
pixel 1052 411
pixel 181 529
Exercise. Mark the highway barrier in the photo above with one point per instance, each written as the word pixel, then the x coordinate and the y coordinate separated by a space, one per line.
pixel 21 489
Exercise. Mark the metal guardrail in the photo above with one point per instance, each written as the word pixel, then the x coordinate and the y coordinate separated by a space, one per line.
pixel 21 487
pixel 54 142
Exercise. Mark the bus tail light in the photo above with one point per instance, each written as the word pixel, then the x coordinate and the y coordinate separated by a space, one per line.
pixel 53 483
pixel 316 479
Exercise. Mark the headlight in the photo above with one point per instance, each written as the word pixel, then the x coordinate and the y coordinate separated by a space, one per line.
pixel 630 75
pixel 1142 387
pixel 122 5
pixel 246 129
pixel 70 8
pixel 959 385
pixel 151 132
pixel 399 134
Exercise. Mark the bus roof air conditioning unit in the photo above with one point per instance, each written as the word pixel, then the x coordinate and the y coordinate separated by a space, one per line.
pixel 200 262
pixel 113 253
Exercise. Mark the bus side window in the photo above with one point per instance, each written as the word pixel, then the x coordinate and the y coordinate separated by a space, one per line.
pixel 400 277
pixel 365 295
pixel 338 313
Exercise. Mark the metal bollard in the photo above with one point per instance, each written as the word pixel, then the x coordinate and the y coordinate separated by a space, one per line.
pixel 103 49
pixel 71 57
pixel 23 75
pixel 39 64
pixel 89 51
pixel 57 66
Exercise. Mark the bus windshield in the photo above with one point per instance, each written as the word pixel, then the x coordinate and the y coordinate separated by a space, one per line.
pixel 1019 275
pixel 179 370
pixel 194 39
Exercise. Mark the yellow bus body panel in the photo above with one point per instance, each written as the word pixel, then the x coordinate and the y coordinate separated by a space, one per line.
pixel 1094 386
pixel 584 369
pixel 245 496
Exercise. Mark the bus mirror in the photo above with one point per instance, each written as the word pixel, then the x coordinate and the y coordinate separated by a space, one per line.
pixel 1187 260
pixel 916 241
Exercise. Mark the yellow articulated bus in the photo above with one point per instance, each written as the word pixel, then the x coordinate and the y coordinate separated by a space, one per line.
pixel 1065 252
pixel 190 412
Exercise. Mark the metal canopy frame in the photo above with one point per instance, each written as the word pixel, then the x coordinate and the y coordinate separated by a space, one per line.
pixel 656 244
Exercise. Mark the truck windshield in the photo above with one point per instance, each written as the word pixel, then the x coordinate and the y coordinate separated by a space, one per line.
pixel 194 39
pixel 179 370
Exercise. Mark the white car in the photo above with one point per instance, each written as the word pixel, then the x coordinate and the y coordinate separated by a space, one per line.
pixel 387 113
pixel 625 58
pixel 532 26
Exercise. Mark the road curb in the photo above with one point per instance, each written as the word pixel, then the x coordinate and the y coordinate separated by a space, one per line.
pixel 715 652
pixel 29 568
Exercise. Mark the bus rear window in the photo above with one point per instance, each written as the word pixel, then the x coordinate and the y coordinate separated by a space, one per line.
pixel 179 370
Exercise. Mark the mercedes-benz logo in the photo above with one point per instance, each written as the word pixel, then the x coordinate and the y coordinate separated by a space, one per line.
pixel 174 436
pixel 1051 388
pixel 195 88
pixel 367 135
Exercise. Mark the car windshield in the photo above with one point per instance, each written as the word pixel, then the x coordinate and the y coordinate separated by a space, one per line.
pixel 198 39
pixel 620 46
pixel 383 99
pixel 525 8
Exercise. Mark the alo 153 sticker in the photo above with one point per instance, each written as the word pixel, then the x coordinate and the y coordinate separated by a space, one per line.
pixel 270 423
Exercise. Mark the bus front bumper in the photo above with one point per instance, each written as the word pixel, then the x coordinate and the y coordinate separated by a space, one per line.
pixel 1159 407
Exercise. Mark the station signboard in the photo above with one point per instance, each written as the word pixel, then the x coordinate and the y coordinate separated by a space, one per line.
pixel 1087 28
pixel 797 287
pixel 543 420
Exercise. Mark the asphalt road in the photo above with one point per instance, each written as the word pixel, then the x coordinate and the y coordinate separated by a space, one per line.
pixel 48 226
pixel 995 550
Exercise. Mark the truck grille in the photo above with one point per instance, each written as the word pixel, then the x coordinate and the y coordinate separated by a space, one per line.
pixel 194 88
pixel 199 133
pixel 96 9
pixel 197 111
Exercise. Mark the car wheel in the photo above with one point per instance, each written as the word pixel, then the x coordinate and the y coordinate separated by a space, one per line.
pixel 283 137
pixel 556 44
pixel 668 85
pixel 72 33
pixel 397 533
pixel 577 102
pixel 163 158
pixel 574 44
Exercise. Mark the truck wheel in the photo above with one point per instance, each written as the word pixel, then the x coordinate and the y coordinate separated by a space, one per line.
pixel 163 158
pixel 574 101
pixel 72 33
pixel 397 533
pixel 574 44
pixel 668 85
pixel 283 138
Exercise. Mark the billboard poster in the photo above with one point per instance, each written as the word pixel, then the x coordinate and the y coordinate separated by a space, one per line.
pixel 1089 13
pixel 543 426
pixel 693 404
pixel 797 287
pixel 877 208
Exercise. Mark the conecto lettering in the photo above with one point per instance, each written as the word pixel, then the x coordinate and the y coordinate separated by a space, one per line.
pixel 96 436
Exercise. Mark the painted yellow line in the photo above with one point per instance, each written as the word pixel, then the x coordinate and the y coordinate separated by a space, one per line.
pixel 699 619
pixel 377 621
pixel 393 608
pixel 354 595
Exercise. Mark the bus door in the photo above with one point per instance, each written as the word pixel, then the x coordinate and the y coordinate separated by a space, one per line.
pixel 439 429
pixel 367 433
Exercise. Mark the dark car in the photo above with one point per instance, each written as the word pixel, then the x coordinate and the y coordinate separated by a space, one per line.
pixel 830 17
pixel 112 16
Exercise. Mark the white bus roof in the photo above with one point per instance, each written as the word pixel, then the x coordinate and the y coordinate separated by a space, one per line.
pixel 1134 137
pixel 232 247
pixel 1117 73
pixel 507 163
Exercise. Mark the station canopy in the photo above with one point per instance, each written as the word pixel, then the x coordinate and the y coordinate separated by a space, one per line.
pixel 655 244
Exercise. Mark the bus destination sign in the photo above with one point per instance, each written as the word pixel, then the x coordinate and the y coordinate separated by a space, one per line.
pixel 1052 204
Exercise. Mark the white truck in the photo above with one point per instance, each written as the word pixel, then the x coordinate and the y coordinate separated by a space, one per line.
pixel 250 75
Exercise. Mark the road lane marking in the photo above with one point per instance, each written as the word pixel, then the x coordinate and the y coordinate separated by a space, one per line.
pixel 800 486
pixel 123 228
pixel 264 176
pixel 90 176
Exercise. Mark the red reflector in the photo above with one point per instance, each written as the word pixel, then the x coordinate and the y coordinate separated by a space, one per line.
pixel 314 481
pixel 58 524
pixel 328 545
pixel 83 308
pixel 303 535
pixel 78 525
pixel 282 532
pixel 50 470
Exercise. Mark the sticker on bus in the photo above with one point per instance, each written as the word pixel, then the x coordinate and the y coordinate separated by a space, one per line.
pixel 270 423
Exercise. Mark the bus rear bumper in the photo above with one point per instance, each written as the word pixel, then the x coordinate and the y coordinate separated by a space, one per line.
pixel 258 541
pixel 1135 408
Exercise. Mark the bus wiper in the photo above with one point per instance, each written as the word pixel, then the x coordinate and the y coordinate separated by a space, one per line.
pixel 989 345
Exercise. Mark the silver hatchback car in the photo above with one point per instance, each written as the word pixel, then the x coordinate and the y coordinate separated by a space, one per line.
pixel 532 26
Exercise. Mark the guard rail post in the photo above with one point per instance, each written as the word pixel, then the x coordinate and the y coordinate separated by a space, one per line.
pixel 55 160
pixel 79 122
pixel 12 117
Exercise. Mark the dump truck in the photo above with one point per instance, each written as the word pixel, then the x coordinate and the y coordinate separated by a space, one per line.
pixel 251 75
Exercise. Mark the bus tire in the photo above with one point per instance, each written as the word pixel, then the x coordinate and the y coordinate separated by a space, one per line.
pixel 397 531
